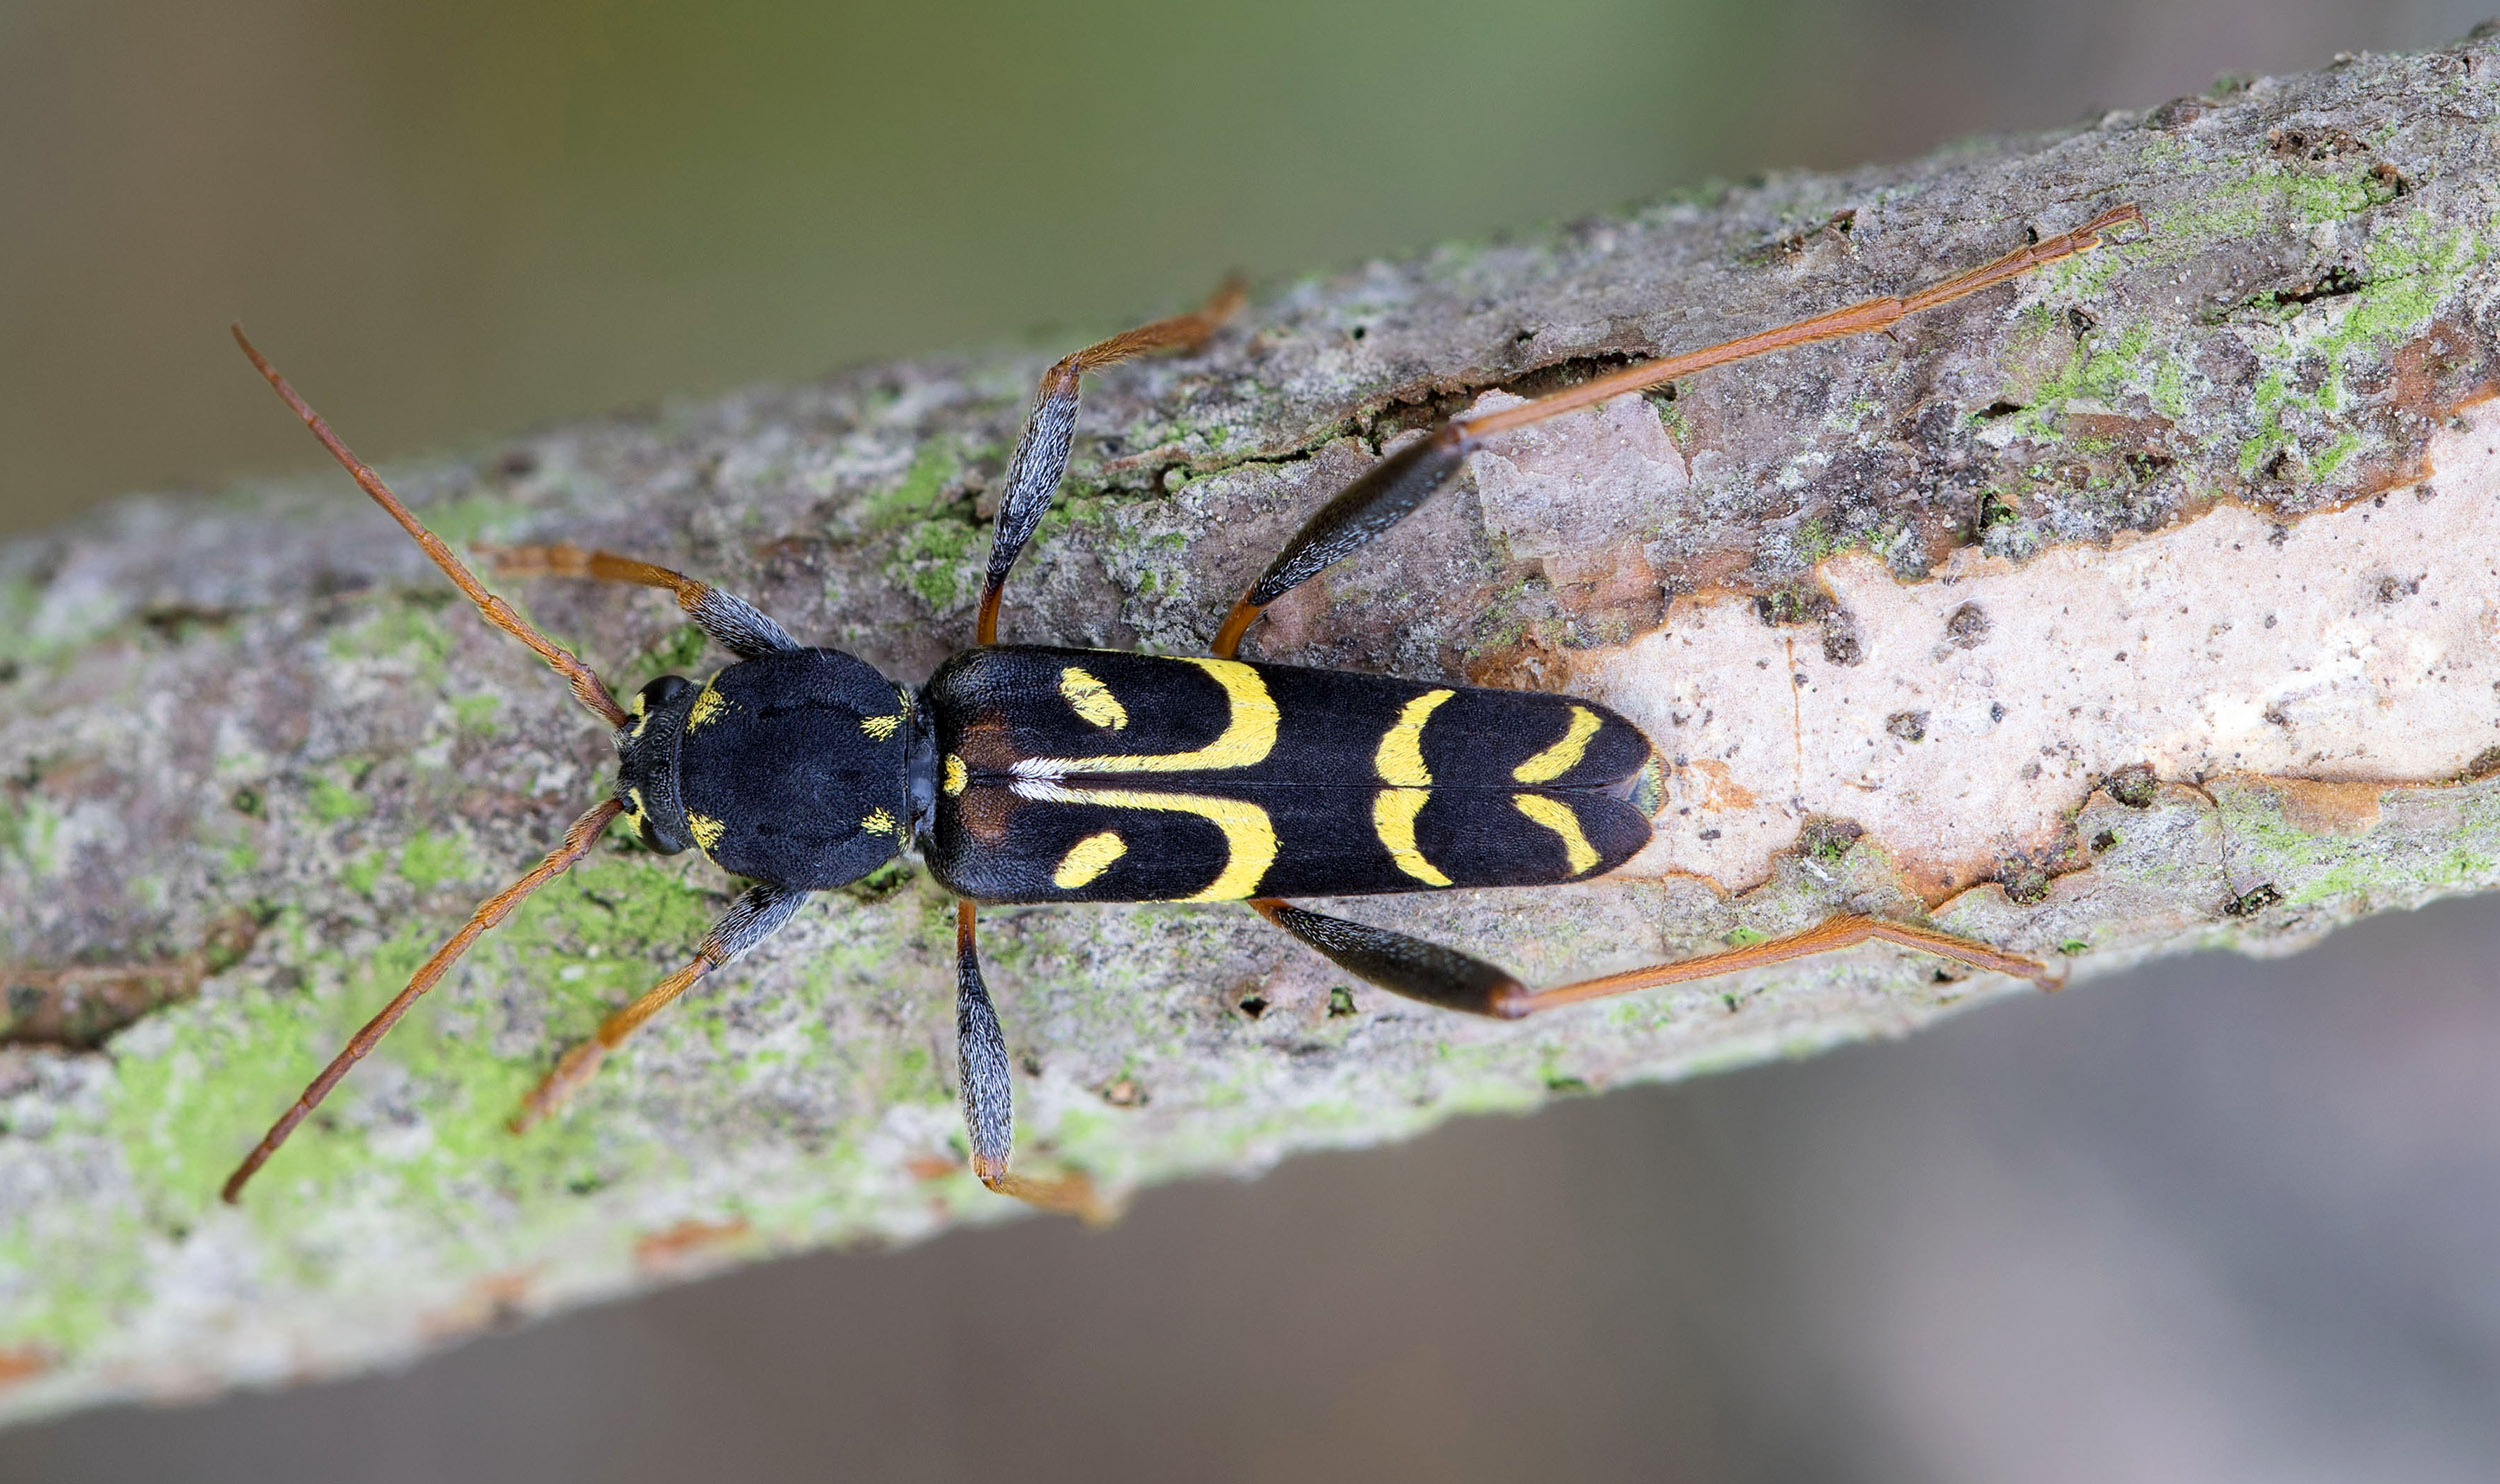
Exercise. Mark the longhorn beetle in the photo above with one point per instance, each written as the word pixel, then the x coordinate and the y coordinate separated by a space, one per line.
pixel 1024 773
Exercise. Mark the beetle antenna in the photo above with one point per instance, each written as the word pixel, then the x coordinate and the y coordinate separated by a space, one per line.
pixel 577 842
pixel 586 684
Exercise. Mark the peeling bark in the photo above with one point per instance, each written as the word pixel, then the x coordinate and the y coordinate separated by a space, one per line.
pixel 2144 606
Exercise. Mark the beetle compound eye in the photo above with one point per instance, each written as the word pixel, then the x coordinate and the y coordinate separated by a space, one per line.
pixel 660 693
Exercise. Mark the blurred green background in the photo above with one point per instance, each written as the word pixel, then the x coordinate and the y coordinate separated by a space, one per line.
pixel 2218 1221
pixel 452 218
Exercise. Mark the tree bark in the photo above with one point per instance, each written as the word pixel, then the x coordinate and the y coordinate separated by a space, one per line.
pixel 2150 604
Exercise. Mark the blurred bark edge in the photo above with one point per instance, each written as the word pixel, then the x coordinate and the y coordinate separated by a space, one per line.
pixel 2146 605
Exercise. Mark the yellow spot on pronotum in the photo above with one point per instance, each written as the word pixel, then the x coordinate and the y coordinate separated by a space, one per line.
pixel 1091 699
pixel 1393 817
pixel 706 830
pixel 1556 815
pixel 1087 859
pixel 634 797
pixel 1249 835
pixel 706 706
pixel 878 822
pixel 958 778
pixel 1248 737
pixel 1401 756
pixel 1563 756
pixel 881 727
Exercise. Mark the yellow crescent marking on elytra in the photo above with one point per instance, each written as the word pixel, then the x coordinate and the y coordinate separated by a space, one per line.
pixel 878 822
pixel 1556 815
pixel 1400 759
pixel 1087 859
pixel 1246 741
pixel 1249 835
pixel 1563 756
pixel 1088 697
pixel 881 727
pixel 706 706
pixel 706 830
pixel 957 776
pixel 1393 818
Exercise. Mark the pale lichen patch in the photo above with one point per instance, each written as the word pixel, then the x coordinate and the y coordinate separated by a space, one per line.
pixel 2354 646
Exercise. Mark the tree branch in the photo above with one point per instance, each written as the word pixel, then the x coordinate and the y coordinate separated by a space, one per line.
pixel 2146 605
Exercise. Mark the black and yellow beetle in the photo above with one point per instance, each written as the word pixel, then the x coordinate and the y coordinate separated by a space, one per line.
pixel 1025 773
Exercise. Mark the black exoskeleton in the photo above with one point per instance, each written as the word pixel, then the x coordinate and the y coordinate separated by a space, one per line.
pixel 804 768
pixel 1025 773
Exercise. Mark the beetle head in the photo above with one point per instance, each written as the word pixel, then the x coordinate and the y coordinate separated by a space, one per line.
pixel 647 750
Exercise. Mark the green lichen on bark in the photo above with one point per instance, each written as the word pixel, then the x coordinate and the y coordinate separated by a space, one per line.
pixel 260 703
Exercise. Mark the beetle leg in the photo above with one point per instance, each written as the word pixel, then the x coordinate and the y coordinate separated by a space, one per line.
pixel 1441 976
pixel 1824 937
pixel 759 912
pixel 1412 967
pixel 736 624
pixel 1041 456
pixel 1391 489
pixel 1379 498
pixel 989 1091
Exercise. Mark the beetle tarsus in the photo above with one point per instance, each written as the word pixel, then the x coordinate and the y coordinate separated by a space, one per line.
pixel 572 1069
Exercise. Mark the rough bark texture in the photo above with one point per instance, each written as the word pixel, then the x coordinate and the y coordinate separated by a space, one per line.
pixel 2114 614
